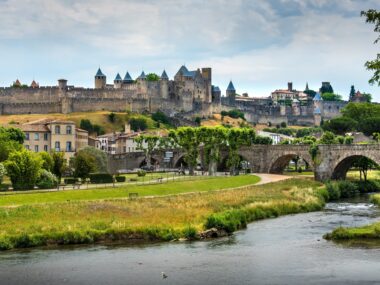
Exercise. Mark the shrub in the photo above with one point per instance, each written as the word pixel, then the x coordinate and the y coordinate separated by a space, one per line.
pixel 347 189
pixel 70 180
pixel 333 190
pixel 138 124
pixel 368 186
pixel 46 180
pixel 141 173
pixel 160 117
pixel 120 178
pixel 2 172
pixel 112 117
pixel 101 178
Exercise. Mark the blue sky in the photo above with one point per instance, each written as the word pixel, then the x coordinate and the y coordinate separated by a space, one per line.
pixel 260 45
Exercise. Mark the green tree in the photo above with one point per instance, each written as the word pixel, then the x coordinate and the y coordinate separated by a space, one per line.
pixel 47 161
pixel 112 117
pixel 84 164
pixel 46 180
pixel 148 144
pixel 152 77
pixel 328 138
pixel 14 134
pixel 59 165
pixel 327 96
pixel 138 124
pixel 364 164
pixel 99 156
pixel 188 140
pixel 23 168
pixel 2 172
pixel 340 125
pixel 86 124
pixel 370 125
pixel 373 17
pixel 160 117
pixel 361 111
pixel 367 97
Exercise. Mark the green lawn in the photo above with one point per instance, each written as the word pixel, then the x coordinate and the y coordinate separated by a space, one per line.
pixel 177 187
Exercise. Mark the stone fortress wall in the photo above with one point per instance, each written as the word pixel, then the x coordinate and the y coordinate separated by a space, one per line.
pixel 188 95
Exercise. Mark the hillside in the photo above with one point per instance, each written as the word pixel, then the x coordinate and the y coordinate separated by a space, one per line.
pixel 100 118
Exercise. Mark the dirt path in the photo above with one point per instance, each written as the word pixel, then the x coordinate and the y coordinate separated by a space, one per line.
pixel 268 178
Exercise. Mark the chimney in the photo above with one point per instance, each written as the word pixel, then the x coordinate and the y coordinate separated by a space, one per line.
pixel 290 86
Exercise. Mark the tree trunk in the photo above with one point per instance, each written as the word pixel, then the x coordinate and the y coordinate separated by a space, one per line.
pixel 191 170
pixel 212 168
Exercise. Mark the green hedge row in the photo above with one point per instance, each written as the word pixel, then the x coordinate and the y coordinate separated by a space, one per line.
pixel 101 178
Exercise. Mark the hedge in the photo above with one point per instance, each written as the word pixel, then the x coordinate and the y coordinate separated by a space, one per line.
pixel 101 178
pixel 120 178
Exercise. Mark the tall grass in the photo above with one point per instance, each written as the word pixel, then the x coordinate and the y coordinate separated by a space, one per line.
pixel 159 218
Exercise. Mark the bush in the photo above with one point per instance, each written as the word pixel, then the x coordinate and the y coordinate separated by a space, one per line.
pixel 347 189
pixel 120 178
pixel 141 173
pixel 70 180
pixel 46 180
pixel 333 190
pixel 138 124
pixel 160 117
pixel 101 178
pixel 2 172
pixel 368 186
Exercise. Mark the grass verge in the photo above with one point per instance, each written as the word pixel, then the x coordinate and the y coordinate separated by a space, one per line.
pixel 174 187
pixel 159 218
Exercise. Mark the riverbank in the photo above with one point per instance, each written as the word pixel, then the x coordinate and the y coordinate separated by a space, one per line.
pixel 368 232
pixel 156 219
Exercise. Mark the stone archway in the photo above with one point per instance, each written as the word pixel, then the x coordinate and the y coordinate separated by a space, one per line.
pixel 279 163
pixel 341 167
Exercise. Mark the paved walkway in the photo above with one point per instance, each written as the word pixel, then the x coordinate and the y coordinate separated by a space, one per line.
pixel 268 178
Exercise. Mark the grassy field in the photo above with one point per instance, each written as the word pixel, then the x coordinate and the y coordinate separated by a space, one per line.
pixel 98 117
pixel 158 218
pixel 207 184
pixel 355 175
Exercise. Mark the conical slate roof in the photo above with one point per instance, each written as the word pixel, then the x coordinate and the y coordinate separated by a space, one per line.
pixel 215 88
pixel 231 87
pixel 118 77
pixel 142 75
pixel 317 97
pixel 99 73
pixel 127 77
pixel 164 75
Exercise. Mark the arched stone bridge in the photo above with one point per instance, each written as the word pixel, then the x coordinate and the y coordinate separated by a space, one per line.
pixel 332 161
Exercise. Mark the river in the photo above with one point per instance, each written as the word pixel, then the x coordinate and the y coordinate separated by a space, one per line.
pixel 285 250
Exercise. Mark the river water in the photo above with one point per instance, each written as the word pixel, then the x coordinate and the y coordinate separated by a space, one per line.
pixel 285 250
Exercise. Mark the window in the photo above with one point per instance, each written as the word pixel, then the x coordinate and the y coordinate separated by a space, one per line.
pixel 26 136
pixel 46 148
pixel 68 146
pixel 36 136
pixel 36 148
pixel 46 136
pixel 57 129
pixel 68 130
pixel 57 146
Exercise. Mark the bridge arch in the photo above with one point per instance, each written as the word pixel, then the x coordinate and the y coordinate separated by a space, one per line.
pixel 222 165
pixel 279 163
pixel 341 166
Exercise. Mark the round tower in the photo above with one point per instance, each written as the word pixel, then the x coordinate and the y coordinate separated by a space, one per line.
pixel 164 85
pixel 100 80
pixel 117 82
pixel 62 84
pixel 231 93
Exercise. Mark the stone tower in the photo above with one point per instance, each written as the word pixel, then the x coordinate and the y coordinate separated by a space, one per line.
pixel 62 84
pixel 164 86
pixel 317 117
pixel 100 80
pixel 231 93
pixel 117 82
pixel 296 107
pixel 127 79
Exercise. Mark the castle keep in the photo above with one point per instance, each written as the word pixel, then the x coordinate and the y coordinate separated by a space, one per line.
pixel 188 95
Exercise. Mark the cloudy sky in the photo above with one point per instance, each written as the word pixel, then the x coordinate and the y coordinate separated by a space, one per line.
pixel 260 45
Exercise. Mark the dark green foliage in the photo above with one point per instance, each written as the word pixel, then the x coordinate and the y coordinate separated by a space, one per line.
pixel 328 138
pixel 23 168
pixel 46 180
pixel 263 140
pixel 198 120
pixel 233 114
pixel 84 164
pixel 120 178
pixel 333 191
pixel 59 164
pixel 152 77
pixel 331 97
pixel 340 125
pixel 368 186
pixel 101 178
pixel 326 89
pixel 141 173
pixel 112 117
pixel 373 17
pixel 161 117
pixel 14 134
pixel 138 124
pixel 369 126
pixel 283 125
pixel 282 130
pixel 70 180
pixel 311 93
pixel 86 124
pixel 99 156
pixel 361 111
pixel 10 140
pixel 307 132
pixel 47 161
